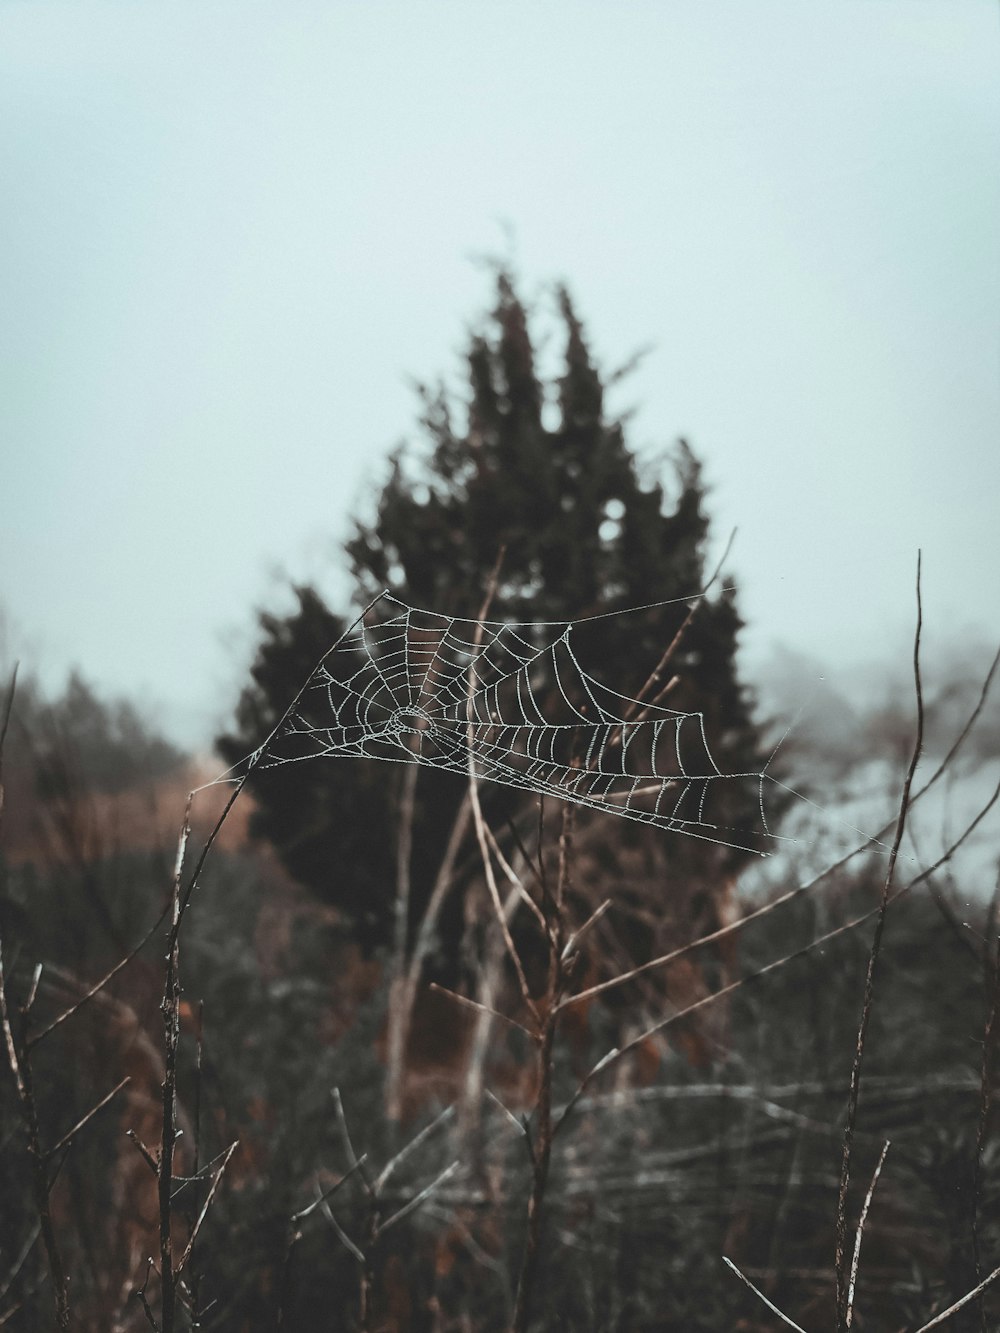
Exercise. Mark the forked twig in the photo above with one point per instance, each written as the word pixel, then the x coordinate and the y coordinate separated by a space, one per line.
pixel 375 1226
pixel 216 1179
pixel 295 1235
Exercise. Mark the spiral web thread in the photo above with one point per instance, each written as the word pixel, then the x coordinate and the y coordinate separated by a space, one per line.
pixel 510 703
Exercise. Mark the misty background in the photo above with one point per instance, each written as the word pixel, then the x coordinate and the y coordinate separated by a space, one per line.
pixel 233 235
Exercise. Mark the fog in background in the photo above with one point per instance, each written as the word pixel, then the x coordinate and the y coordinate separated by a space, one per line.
pixel 233 233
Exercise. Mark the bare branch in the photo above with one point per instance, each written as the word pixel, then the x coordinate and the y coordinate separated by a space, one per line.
pixel 589 924
pixel 491 883
pixel 20 1064
pixel 205 1207
pixel 33 988
pixel 757 1292
pixel 328 1194
pixel 477 813
pixel 382 1178
pixel 98 986
pixel 852 1284
pixel 339 1231
pixel 7 709
pixel 513 878
pixel 150 1160
pixel 397 1016
pixel 869 992
pixel 345 1134
pixel 618 1053
pixel 71 1134
pixel 184 1181
pixel 18 1263
pixel 170 1008
pixel 954 1309
pixel 724 931
pixel 483 1009
pixel 417 1200
pixel 140 1295
pixel 992 970
pixel 653 687
pixel 518 1125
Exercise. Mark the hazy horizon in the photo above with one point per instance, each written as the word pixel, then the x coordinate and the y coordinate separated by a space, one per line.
pixel 234 234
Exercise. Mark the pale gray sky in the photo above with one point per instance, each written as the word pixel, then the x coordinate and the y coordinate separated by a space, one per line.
pixel 231 231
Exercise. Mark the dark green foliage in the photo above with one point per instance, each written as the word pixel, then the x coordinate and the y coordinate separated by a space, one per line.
pixel 540 471
pixel 328 821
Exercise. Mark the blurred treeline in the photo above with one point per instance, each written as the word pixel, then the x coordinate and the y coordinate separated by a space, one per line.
pixel 344 898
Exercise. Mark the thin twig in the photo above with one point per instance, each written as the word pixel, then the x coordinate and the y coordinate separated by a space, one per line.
pixel 659 671
pixel 417 1200
pixel 855 1261
pixel 339 1231
pixel 790 895
pixel 140 1295
pixel 613 1056
pixel 98 986
pixel 869 991
pixel 540 1148
pixel 148 1157
pixel 985 1106
pixel 295 1235
pixel 591 921
pixel 483 1009
pixel 200 1174
pixel 170 1008
pixel 18 1263
pixel 513 878
pixel 757 1292
pixel 355 1161
pixel 19 1058
pixel 381 1180
pixel 397 1024
pixel 72 1133
pixel 477 813
pixel 33 988
pixel 310 1208
pixel 520 1125
pixel 954 1309
pixel 205 1207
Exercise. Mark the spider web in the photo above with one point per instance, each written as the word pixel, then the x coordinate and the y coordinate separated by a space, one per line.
pixel 511 703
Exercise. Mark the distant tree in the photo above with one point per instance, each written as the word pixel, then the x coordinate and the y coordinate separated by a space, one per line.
pixel 79 738
pixel 541 469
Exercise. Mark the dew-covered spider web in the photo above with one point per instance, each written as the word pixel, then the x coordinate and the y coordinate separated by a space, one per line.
pixel 513 703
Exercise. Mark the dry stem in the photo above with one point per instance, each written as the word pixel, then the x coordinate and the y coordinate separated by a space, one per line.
pixel 843 1316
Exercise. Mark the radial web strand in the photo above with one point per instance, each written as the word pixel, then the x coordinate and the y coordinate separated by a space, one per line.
pixel 512 703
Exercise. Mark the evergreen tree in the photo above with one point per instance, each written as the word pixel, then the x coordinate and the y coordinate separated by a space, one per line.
pixel 541 471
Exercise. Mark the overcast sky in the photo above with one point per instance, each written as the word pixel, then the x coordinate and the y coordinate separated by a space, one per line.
pixel 231 233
